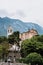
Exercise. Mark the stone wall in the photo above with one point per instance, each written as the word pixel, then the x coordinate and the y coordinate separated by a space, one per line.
pixel 27 35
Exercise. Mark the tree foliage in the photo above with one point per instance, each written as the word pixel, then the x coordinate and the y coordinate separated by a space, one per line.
pixel 34 58
pixel 3 38
pixel 34 44
pixel 14 38
pixel 4 46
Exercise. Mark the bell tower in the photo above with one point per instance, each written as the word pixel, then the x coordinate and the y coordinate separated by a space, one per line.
pixel 9 30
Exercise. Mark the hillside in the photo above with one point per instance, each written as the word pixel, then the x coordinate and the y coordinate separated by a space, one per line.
pixel 17 25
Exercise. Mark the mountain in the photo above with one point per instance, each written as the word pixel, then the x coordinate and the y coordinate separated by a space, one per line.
pixel 36 27
pixel 17 25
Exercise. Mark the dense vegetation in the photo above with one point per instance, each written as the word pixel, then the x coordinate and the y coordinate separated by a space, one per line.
pixel 34 58
pixel 32 47
pixel 5 43
pixel 14 38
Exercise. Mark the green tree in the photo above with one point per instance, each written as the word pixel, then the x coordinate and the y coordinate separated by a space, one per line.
pixel 4 49
pixel 14 38
pixel 38 38
pixel 34 58
pixel 31 45
pixel 3 38
pixel 0 51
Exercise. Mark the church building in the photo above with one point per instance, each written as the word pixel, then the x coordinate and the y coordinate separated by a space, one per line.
pixel 29 34
pixel 9 30
pixel 23 36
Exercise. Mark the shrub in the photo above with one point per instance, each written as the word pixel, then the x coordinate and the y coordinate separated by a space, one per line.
pixel 34 58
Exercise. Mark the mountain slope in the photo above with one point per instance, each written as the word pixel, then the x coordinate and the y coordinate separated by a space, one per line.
pixel 35 26
pixel 17 25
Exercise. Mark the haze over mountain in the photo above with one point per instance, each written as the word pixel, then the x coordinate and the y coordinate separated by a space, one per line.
pixel 17 25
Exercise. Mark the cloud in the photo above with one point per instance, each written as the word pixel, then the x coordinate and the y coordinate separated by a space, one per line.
pixel 20 13
pixel 17 13
pixel 3 13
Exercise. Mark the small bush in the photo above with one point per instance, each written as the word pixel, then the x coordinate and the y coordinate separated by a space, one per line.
pixel 34 58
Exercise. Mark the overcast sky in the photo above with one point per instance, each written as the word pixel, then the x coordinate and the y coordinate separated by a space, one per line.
pixel 25 10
